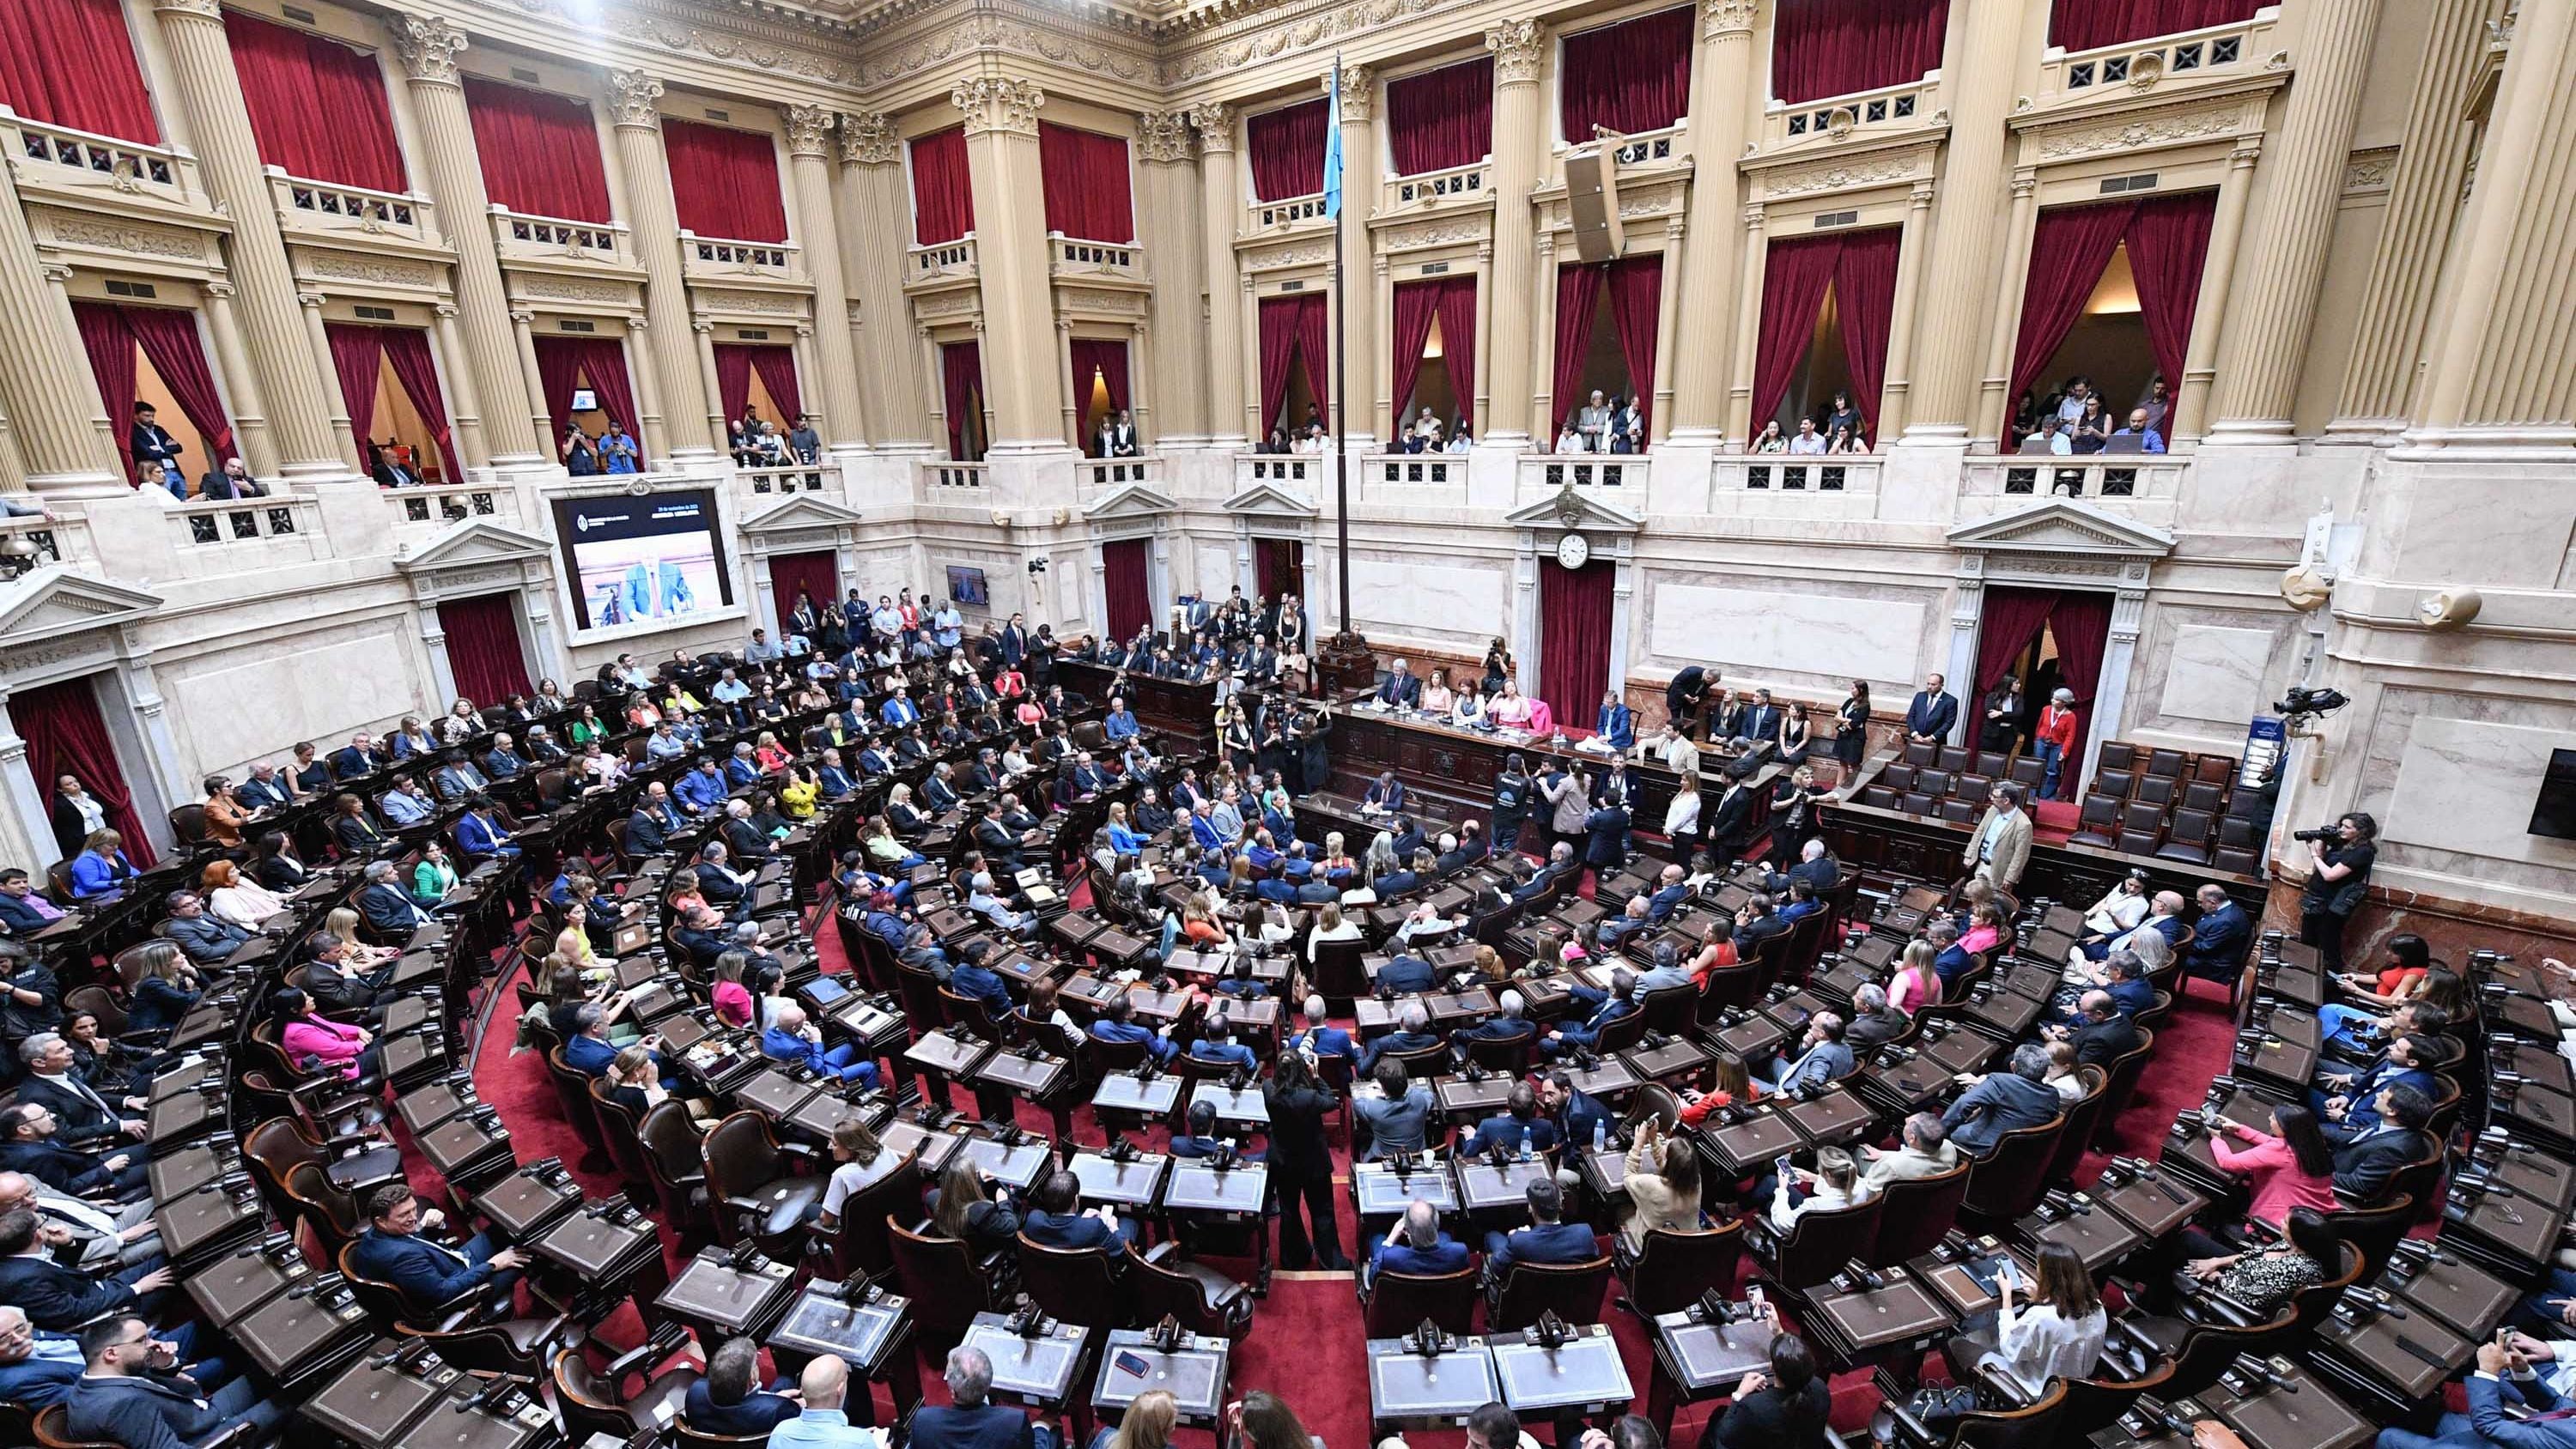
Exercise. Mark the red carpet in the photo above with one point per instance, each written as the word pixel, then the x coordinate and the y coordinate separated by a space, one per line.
pixel 1306 1340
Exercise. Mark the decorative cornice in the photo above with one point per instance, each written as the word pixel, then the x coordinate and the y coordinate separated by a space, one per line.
pixel 631 99
pixel 869 138
pixel 1214 121
pixel 1359 95
pixel 428 46
pixel 200 9
pixel 809 130
pixel 998 103
pixel 1719 19
pixel 1518 46
pixel 1163 136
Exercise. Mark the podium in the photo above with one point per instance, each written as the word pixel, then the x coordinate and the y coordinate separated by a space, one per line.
pixel 1193 1372
pixel 1582 1375
pixel 1410 1390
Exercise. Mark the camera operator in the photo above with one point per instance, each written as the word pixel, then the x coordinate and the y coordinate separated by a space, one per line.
pixel 2339 861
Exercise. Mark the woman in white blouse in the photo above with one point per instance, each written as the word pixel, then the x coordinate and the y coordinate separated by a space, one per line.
pixel 1330 926
pixel 2119 912
pixel 1681 817
pixel 235 897
pixel 2057 1334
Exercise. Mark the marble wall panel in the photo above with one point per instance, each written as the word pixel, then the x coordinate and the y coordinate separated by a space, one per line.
pixel 2467 786
pixel 1416 600
pixel 1771 632
pixel 2216 674
pixel 242 704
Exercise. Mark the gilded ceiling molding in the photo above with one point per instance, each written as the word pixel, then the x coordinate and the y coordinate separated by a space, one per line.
pixel 869 138
pixel 1267 35
pixel 998 103
pixel 899 58
pixel 428 46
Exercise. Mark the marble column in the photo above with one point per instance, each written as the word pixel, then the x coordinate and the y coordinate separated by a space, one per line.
pixel 1362 173
pixel 1623 610
pixel 1992 394
pixel 1171 215
pixel 433 643
pixel 1525 620
pixel 673 391
pixel 291 378
pixel 523 337
pixel 241 382
pixel 318 337
pixel 872 188
pixel 1959 278
pixel 1519 47
pixel 66 445
pixel 428 47
pixel 2269 319
pixel 1538 370
pixel 704 332
pixel 13 466
pixel 2217 277
pixel 1748 327
pixel 1221 200
pixel 646 368
pixel 2119 659
pixel 1898 371
pixel 464 398
pixel 1669 315
pixel 809 130
pixel 1720 85
pixel 1012 262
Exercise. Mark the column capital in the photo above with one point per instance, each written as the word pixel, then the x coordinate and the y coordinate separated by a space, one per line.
pixel 219 291
pixel 311 299
pixel 60 273
pixel 998 103
pixel 1920 197
pixel 1755 216
pixel 1725 19
pixel 2024 183
pixel 631 100
pixel 445 309
pixel 1163 136
pixel 199 9
pixel 868 138
pixel 1518 46
pixel 1214 121
pixel 809 129
pixel 1359 96
pixel 428 46
pixel 522 315
pixel 702 326
pixel 2249 149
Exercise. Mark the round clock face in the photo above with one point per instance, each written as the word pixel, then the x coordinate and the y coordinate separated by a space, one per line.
pixel 1573 551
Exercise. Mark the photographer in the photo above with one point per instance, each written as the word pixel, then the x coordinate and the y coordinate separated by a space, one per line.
pixel 2339 861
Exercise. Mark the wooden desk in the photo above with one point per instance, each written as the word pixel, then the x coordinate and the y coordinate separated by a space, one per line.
pixel 1174 705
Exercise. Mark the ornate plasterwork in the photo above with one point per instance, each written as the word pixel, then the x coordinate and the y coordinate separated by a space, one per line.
pixel 1359 96
pixel 2062 526
pixel 1518 46
pixel 998 103
pixel 1451 230
pixel 53 601
pixel 2136 133
pixel 1214 121
pixel 1163 136
pixel 870 138
pixel 473 544
pixel 1838 175
pixel 107 234
pixel 1092 299
pixel 1000 34
pixel 774 304
pixel 546 287
pixel 1311 253
pixel 1270 38
pixel 371 268
pixel 633 99
pixel 428 46
pixel 809 129
pixel 2368 173
pixel 1725 17
pixel 947 304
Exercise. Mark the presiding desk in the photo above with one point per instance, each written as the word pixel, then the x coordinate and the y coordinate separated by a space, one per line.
pixel 1174 706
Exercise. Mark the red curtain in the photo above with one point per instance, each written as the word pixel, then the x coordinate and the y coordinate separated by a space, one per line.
pixel 1084 178
pixel 2082 624
pixel 1275 568
pixel 2168 241
pixel 1574 637
pixel 1108 359
pixel 1441 118
pixel 724 181
pixel 71 63
pixel 483 649
pixel 1636 299
pixel 357 356
pixel 733 378
pixel 1287 149
pixel 539 151
pixel 738 362
pixel 1865 298
pixel 1578 300
pixel 1127 577
pixel 2011 619
pixel 1458 342
pixel 943 198
pixel 1292 333
pixel 817 575
pixel 168 337
pixel 961 370
pixel 2084 24
pixel 2068 250
pixel 66 735
pixel 1416 304
pixel 1629 77
pixel 356 353
pixel 317 106
pixel 1823 48
pixel 564 362
pixel 1795 273
pixel 407 349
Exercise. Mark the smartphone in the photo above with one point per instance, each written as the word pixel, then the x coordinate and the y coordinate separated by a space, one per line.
pixel 1753 1294
pixel 1133 1365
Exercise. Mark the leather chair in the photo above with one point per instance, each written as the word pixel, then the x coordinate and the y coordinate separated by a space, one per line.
pixel 621 1131
pixel 1422 1063
pixel 594 1401
pixel 670 1142
pixel 2374 1231
pixel 1623 1034
pixel 1077 1285
pixel 340 1108
pixel 2096 1403
pixel 2007 1182
pixel 1570 1290
pixel 1512 1056
pixel 751 1188
pixel 860 1245
pixel 1338 975
pixel 2205 1350
pixel 2037 1425
pixel 1816 1246
pixel 2076 1134
pixel 684 1437
pixel 1669 1009
pixel 2099 823
pixel 572 1095
pixel 50 1431
pixel 1674 1269
pixel 275 1147
pixel 333 1215
pixel 1915 1212
pixel 1397 1303
pixel 1161 1283
pixel 1729 986
pixel 2123 1076
pixel 945 1283
pixel 461 1332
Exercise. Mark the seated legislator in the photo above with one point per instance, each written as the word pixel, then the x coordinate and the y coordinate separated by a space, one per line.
pixel 796 1041
pixel 429 1274
pixel 129 1394
pixel 1548 1238
pixel 726 1401
pixel 1414 1244
pixel 2002 1101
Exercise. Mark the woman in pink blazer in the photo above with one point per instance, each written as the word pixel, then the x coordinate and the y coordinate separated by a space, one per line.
pixel 2291 1166
pixel 311 1039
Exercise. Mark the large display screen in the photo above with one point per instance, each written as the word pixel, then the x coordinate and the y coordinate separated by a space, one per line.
pixel 635 560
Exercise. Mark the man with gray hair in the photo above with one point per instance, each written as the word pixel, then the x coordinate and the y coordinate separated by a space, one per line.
pixel 2001 1102
pixel 1586 1034
pixel 1874 1022
pixel 208 941
pixel 981 900
pixel 1320 1039
pixel 1926 1152
pixel 1416 1245
pixel 969 1420
pixel 81 1115
pixel 1999 848
pixel 1412 1034
pixel 123 1234
pixel 387 908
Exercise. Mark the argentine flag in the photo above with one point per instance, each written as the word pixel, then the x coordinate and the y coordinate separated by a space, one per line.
pixel 1333 144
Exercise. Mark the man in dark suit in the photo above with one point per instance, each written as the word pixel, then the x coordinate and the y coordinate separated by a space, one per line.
pixel 1929 719
pixel 2219 938
pixel 1414 1245
pixel 28 1144
pixel 1400 690
pixel 387 908
pixel 2367 1162
pixel 1814 867
pixel 205 940
pixel 1519 1126
pixel 1548 1239
pixel 428 1274
pixel 21 909
pixel 130 1394
pixel 1670 892
pixel 655 821
pixel 1405 974
pixel 353 759
pixel 150 442
pixel 1505 1025
pixel 2347 1104
pixel 1055 1218
pixel 1412 1034
pixel 264 790
pixel 59 1298
pixel 1684 695
pixel 968 1420
pixel 2100 1032
pixel 1728 827
pixel 1758 921
pixel 729 1400
pixel 2003 1101
pixel 82 1114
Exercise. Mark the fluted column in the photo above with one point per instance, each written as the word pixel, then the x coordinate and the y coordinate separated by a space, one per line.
pixel 523 339
pixel 427 47
pixel 290 376
pixel 1899 370
pixel 2217 279
pixel 645 365
pixel 872 189
pixel 318 338
pixel 1361 175
pixel 464 397
pixel 1221 194
pixel 63 442
pixel 675 401
pixel 703 333
pixel 1179 375
pixel 1756 258
pixel 1959 281
pixel 2276 300
pixel 232 354
pixel 1020 375
pixel 809 130
pixel 1720 83
pixel 1518 46
pixel 1992 401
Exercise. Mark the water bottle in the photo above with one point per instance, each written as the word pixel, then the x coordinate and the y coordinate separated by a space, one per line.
pixel 1525 1147
pixel 1600 1131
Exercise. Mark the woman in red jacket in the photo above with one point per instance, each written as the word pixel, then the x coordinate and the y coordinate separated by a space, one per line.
pixel 2055 738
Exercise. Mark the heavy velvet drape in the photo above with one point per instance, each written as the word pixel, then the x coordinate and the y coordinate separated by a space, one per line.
pixel 1416 305
pixel 1578 301
pixel 724 181
pixel 1823 48
pixel 2168 239
pixel 1865 298
pixel 2082 623
pixel 539 151
pixel 943 199
pixel 2010 620
pixel 961 375
pixel 66 735
pixel 1274 567
pixel 1126 576
pixel 1292 334
pixel 1458 343
pixel 317 107
pixel 562 364
pixel 483 649
pixel 1574 636
pixel 2084 24
pixel 71 63
pixel 1106 358
pixel 356 355
pixel 1084 177
pixel 817 575
pixel 1795 274
pixel 1287 150
pixel 737 362
pixel 1636 299
pixel 1629 77
pixel 1441 118
pixel 168 337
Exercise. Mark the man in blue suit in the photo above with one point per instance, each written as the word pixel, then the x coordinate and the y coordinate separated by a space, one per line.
pixel 1506 1024
pixel 37 1368
pixel 478 836
pixel 655 821
pixel 2503 1376
pixel 1320 1039
pixel 2348 1102
pixel 1055 1218
pixel 982 982
pixel 1400 690
pixel 1670 892
pixel 1518 1127
pixel 1117 1023
pixel 702 789
pixel 1587 1033
pixel 61 1298
pixel 2219 938
pixel 127 1394
pixel 1216 1045
pixel 1929 718
pixel 791 1039
pixel 428 1274
pixel 967 1421
pixel 1547 1239
pixel 1616 723
pixel 1414 1245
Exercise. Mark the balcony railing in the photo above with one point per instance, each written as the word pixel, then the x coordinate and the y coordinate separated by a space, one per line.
pixel 1074 258
pixel 1287 213
pixel 941 262
pixel 2140 66
pixel 1433 188
pixel 2111 476
pixel 723 259
pixel 240 535
pixel 62 156
pixel 1435 469
pixel 423 513
pixel 1908 104
pixel 347 212
pixel 1095 476
pixel 524 237
pixel 57 540
pixel 797 478
pixel 945 479
pixel 1551 471
pixel 1780 473
pixel 1650 148
pixel 1296 471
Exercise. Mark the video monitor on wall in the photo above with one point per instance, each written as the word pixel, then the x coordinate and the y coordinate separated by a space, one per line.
pixel 966 586
pixel 633 559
